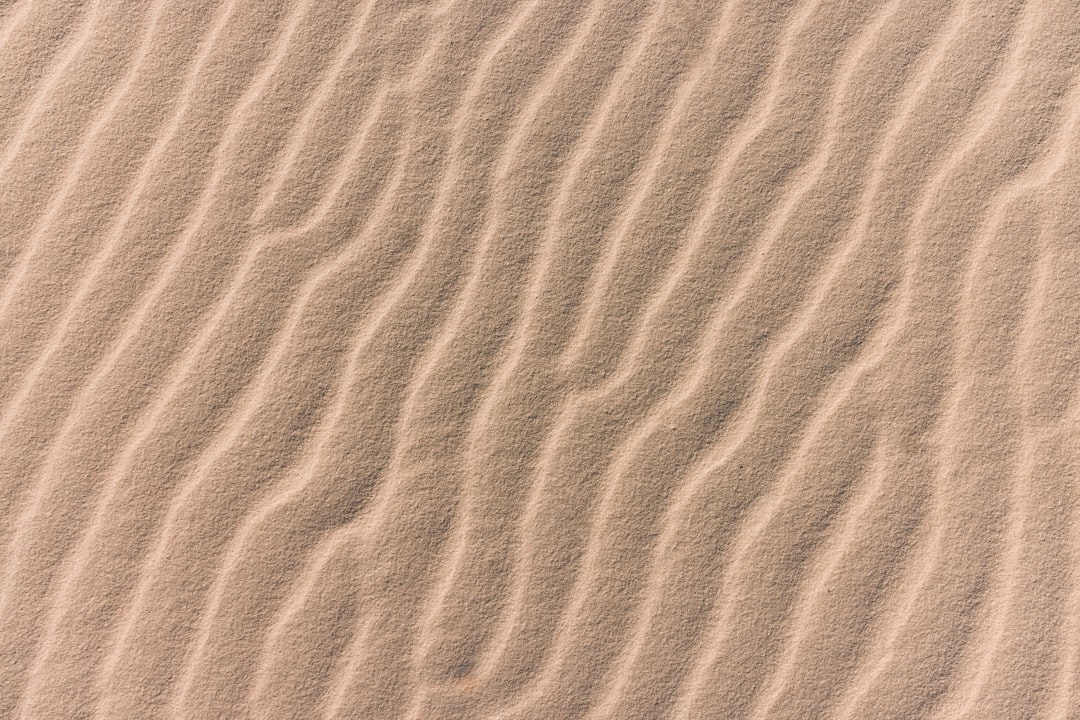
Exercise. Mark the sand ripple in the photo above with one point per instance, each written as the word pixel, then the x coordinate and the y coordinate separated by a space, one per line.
pixel 514 359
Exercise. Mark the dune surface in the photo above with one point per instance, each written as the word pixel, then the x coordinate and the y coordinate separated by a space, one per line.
pixel 539 359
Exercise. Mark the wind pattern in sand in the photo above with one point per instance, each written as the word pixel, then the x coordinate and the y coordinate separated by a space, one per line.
pixel 539 359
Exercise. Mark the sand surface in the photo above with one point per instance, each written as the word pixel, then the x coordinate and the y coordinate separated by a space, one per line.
pixel 539 359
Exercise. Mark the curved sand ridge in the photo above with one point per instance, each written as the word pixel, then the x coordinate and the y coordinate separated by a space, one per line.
pixel 512 359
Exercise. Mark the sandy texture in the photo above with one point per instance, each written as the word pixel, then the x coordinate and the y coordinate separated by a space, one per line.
pixel 553 359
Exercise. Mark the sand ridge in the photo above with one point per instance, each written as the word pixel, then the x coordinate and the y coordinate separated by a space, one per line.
pixel 513 359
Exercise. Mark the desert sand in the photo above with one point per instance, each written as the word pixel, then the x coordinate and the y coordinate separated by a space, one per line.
pixel 539 359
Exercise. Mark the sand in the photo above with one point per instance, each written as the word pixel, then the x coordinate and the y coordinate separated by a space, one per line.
pixel 553 359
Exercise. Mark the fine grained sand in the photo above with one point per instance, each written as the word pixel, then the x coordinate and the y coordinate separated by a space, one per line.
pixel 512 359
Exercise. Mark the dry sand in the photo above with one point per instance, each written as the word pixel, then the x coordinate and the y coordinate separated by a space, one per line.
pixel 560 359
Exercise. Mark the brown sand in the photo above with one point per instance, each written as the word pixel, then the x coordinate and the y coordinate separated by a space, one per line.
pixel 511 359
